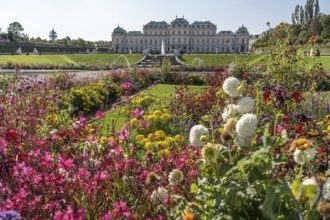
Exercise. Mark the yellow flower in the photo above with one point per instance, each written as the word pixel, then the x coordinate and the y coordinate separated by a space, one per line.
pixel 148 145
pixel 151 136
pixel 166 111
pixel 134 122
pixel 314 132
pixel 103 140
pixel 139 138
pixel 165 117
pixel 152 118
pixel 162 144
pixel 145 140
pixel 164 153
pixel 157 113
pixel 170 139
pixel 301 144
pixel 160 134
pixel 179 138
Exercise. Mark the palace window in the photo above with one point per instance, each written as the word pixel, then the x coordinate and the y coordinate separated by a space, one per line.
pixel 179 32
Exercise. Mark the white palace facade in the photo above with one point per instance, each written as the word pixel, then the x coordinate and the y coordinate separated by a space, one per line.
pixel 197 37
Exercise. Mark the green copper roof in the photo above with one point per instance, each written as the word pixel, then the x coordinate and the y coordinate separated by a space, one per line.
pixel 179 22
pixel 203 24
pixel 119 30
pixel 242 30
pixel 134 33
pixel 157 24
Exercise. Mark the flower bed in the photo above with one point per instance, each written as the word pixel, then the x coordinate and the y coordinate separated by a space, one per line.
pixel 243 147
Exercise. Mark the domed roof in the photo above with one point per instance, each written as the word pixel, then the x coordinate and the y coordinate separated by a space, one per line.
pixel 180 22
pixel 119 30
pixel 242 30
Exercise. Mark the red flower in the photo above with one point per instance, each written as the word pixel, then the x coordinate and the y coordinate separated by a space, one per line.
pixel 297 97
pixel 267 96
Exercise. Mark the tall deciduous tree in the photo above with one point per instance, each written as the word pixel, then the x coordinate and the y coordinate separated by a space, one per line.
pixel 316 26
pixel 16 29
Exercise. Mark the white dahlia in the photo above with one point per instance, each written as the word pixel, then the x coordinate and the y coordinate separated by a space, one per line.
pixel 195 135
pixel 175 177
pixel 230 86
pixel 230 112
pixel 210 152
pixel 326 189
pixel 247 125
pixel 158 196
pixel 245 105
pixel 299 158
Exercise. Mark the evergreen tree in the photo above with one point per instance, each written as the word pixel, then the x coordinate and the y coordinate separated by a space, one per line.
pixel 293 19
pixel 296 14
pixel 317 9
pixel 302 16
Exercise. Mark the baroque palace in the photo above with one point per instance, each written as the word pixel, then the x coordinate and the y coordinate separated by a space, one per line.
pixel 197 37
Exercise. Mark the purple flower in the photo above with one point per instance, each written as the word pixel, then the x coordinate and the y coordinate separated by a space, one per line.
pixel 138 113
pixel 127 86
pixel 123 134
pixel 272 85
pixel 99 114
pixel 296 84
pixel 10 215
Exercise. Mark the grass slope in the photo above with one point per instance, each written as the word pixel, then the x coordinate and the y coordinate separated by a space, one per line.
pixel 251 59
pixel 70 59
pixel 163 92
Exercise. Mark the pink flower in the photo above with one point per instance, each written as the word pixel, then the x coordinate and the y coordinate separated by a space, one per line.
pixel 138 113
pixel 126 86
pixel 123 134
pixel 99 114
pixel 65 164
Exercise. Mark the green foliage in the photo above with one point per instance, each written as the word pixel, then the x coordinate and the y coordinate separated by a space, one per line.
pixel 16 29
pixel 91 97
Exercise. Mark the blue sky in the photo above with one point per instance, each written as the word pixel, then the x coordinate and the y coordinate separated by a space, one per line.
pixel 96 19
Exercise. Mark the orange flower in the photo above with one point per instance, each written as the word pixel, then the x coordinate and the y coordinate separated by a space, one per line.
pixel 188 216
pixel 282 24
pixel 312 39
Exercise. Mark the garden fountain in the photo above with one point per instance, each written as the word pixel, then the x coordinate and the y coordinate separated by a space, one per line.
pixel 200 61
pixel 163 48
pixel 35 51
pixel 19 50
pixel 116 61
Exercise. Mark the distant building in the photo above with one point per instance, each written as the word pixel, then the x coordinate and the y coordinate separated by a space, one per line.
pixel 197 37
pixel 252 40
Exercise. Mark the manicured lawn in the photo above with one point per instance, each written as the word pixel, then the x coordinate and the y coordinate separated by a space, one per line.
pixel 162 91
pixel 69 59
pixel 251 59
pixel 220 59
